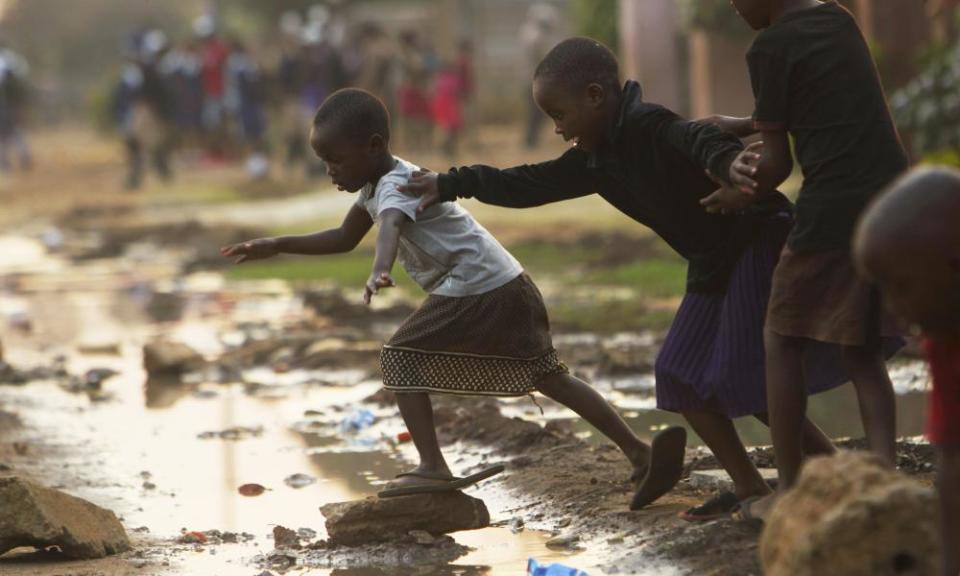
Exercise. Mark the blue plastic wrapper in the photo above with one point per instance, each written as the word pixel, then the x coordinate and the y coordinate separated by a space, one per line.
pixel 536 569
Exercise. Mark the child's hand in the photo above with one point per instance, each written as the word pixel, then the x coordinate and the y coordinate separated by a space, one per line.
pixel 423 183
pixel 728 199
pixel 377 281
pixel 251 250
pixel 743 169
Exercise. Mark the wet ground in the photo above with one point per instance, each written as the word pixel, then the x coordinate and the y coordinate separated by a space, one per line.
pixel 291 370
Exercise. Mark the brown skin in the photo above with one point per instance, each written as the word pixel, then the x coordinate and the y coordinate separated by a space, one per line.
pixel 585 117
pixel 909 244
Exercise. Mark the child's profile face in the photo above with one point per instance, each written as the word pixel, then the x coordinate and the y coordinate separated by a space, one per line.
pixel 755 12
pixel 348 163
pixel 577 117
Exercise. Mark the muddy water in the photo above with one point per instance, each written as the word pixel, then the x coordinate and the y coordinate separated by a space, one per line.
pixel 141 448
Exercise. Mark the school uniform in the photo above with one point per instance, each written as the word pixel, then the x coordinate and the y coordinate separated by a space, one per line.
pixel 652 169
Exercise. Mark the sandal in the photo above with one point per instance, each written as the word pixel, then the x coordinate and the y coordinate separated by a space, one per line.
pixel 723 504
pixel 450 483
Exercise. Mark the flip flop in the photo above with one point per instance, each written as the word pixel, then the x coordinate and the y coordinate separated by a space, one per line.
pixel 723 504
pixel 744 512
pixel 452 483
pixel 666 466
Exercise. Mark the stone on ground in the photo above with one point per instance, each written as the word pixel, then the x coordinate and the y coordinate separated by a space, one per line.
pixel 385 519
pixel 850 516
pixel 162 357
pixel 33 515
pixel 719 480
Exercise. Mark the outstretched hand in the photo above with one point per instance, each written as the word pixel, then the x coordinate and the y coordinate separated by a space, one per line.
pixel 258 249
pixel 423 183
pixel 375 283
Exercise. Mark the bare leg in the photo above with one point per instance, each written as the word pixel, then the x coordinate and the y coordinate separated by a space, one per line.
pixel 815 442
pixel 417 412
pixel 721 437
pixel 786 403
pixel 948 484
pixel 580 397
pixel 868 371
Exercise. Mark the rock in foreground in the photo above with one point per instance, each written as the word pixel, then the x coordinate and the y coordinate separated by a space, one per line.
pixel 850 516
pixel 384 519
pixel 41 517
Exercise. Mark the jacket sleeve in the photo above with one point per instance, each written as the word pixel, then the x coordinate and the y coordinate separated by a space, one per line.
pixel 522 186
pixel 703 144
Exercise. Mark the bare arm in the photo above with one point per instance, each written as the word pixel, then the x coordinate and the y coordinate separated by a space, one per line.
pixel 388 240
pixel 740 127
pixel 775 163
pixel 355 226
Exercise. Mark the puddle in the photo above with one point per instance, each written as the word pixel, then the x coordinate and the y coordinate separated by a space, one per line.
pixel 152 451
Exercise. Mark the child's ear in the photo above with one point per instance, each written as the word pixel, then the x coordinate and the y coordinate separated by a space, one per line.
pixel 595 95
pixel 377 143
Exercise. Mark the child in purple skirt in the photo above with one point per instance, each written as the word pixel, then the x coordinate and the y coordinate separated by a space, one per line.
pixel 651 164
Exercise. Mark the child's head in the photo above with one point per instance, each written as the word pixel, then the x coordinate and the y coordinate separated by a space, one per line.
pixel 908 242
pixel 577 84
pixel 757 13
pixel 351 134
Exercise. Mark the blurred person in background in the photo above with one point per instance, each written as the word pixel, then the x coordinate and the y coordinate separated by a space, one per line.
pixel 244 102
pixel 14 72
pixel 412 99
pixel 535 34
pixel 447 107
pixel 143 108
pixel 213 57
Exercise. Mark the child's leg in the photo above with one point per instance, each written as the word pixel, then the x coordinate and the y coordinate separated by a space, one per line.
pixel 815 442
pixel 786 402
pixel 417 412
pixel 580 397
pixel 721 437
pixel 878 407
pixel 948 484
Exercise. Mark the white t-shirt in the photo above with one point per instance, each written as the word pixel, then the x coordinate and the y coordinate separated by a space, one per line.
pixel 443 249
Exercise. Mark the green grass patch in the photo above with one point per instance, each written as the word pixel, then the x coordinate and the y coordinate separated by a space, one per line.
pixel 552 259
pixel 652 278
pixel 345 270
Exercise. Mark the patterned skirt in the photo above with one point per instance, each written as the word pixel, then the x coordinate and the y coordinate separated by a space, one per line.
pixel 494 344
pixel 713 356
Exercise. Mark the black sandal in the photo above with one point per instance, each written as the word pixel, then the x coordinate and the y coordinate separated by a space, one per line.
pixel 450 483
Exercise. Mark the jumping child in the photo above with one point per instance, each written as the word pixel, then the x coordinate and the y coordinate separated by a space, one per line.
pixel 483 329
pixel 908 243
pixel 650 164
pixel 814 79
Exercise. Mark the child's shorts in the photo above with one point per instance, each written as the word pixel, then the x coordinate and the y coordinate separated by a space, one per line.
pixel 943 415
pixel 819 296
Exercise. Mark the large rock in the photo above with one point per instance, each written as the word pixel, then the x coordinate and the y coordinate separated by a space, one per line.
pixel 36 516
pixel 165 358
pixel 850 516
pixel 385 519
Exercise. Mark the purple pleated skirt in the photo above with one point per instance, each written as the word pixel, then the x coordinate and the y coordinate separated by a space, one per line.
pixel 713 357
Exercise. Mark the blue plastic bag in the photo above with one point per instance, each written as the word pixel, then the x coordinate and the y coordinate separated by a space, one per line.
pixel 535 569
pixel 357 420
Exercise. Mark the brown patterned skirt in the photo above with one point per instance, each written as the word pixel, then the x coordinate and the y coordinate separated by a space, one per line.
pixel 495 344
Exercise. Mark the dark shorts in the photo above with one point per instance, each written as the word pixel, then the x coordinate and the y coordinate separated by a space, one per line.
pixel 819 296
pixel 496 344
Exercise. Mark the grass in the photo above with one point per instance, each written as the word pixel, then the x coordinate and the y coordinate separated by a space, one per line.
pixel 345 270
pixel 654 278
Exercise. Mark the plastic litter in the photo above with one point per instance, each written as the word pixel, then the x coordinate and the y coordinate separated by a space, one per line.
pixel 357 420
pixel 536 569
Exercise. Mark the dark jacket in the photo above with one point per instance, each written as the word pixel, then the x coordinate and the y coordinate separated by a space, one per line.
pixel 651 169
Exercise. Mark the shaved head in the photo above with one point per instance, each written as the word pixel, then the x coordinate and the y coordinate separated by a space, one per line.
pixel 908 242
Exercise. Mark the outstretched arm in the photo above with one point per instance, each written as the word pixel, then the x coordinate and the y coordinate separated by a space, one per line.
pixel 739 127
pixel 388 240
pixel 522 186
pixel 355 226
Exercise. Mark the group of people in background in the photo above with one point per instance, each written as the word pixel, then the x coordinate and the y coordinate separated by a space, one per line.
pixel 217 98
